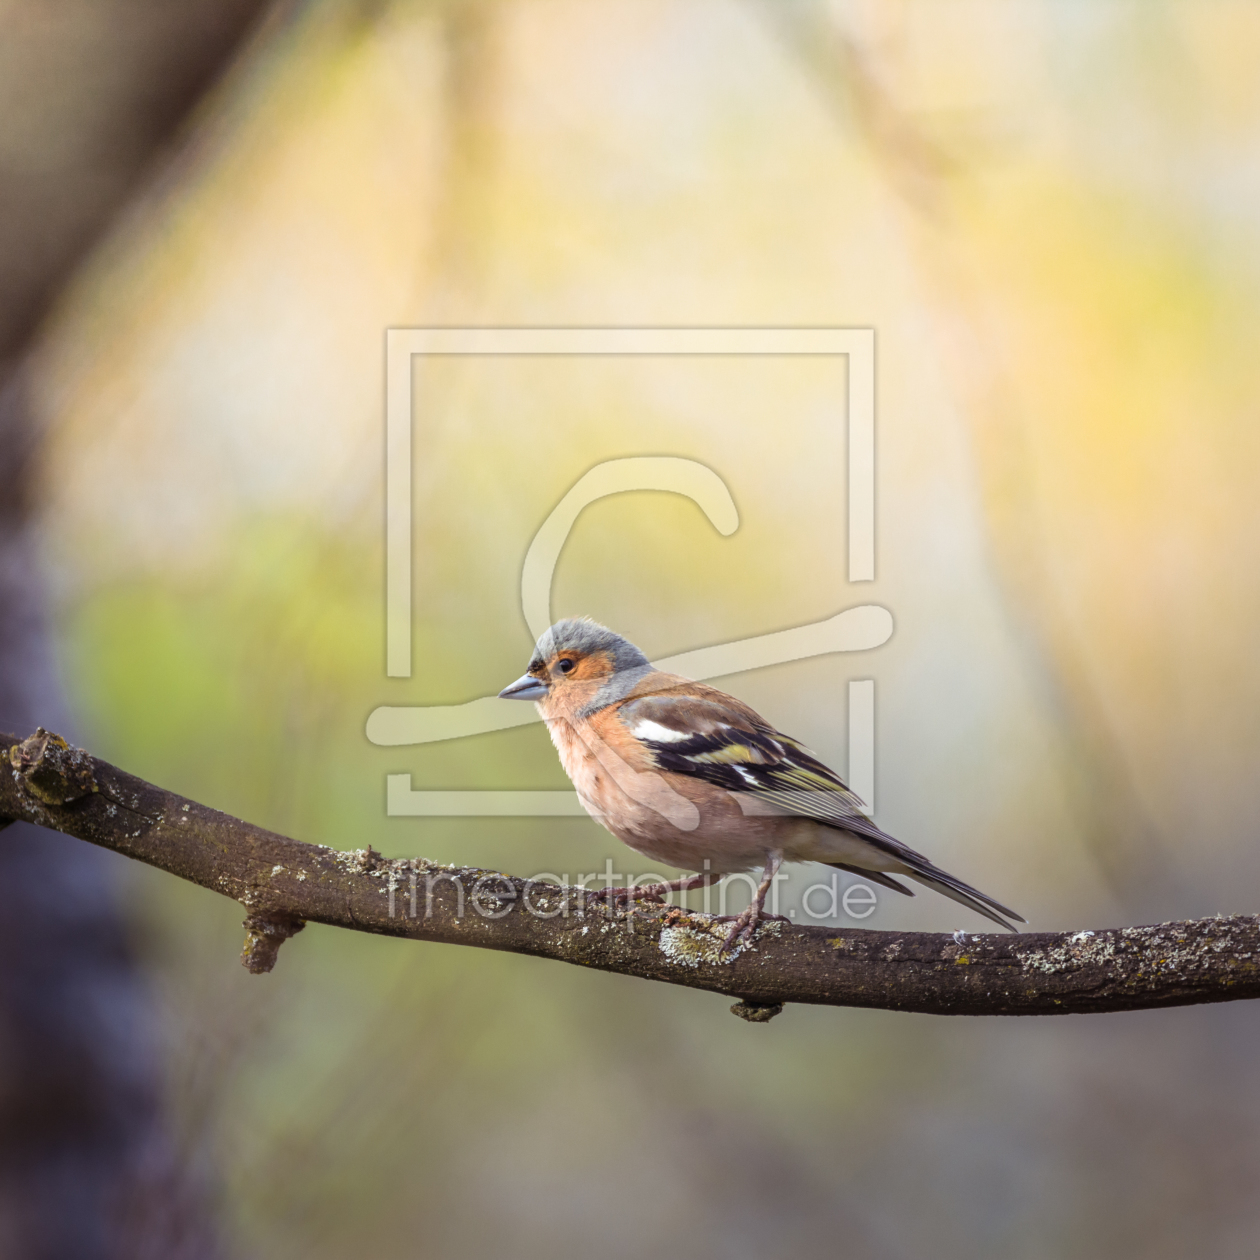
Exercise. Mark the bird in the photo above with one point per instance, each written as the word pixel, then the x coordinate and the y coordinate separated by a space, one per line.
pixel 690 776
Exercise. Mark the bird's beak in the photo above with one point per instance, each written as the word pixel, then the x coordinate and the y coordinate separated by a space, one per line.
pixel 526 687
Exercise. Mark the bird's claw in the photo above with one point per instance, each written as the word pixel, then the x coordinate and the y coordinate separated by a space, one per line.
pixel 741 930
pixel 744 926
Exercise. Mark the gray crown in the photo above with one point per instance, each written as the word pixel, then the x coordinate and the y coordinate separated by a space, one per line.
pixel 581 634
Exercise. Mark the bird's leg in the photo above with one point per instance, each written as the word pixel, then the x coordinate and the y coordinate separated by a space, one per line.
pixel 651 892
pixel 744 926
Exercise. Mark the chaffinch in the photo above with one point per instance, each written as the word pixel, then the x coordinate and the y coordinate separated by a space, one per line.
pixel 690 776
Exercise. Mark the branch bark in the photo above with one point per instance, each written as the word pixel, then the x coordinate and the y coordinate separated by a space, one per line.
pixel 284 883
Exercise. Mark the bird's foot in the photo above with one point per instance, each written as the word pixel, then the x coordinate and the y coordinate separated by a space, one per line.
pixel 623 894
pixel 744 925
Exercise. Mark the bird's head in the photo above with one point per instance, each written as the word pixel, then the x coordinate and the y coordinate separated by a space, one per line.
pixel 579 665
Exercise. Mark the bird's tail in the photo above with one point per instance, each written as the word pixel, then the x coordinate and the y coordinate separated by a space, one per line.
pixel 920 869
pixel 876 877
pixel 964 894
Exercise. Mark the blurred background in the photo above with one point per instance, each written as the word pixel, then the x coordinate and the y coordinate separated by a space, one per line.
pixel 1047 211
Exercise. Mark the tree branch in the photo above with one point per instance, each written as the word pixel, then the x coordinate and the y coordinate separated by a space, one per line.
pixel 285 883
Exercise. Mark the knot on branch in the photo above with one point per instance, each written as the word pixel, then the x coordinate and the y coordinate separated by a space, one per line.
pixel 757 1012
pixel 264 934
pixel 51 770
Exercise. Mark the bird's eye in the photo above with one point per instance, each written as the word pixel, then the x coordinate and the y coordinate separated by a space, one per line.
pixel 564 665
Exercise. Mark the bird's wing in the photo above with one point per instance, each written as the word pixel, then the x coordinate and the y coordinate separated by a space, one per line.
pixel 702 732
pixel 717 739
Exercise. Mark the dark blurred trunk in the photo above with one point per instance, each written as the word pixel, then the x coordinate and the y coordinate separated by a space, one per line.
pixel 93 94
pixel 86 1169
